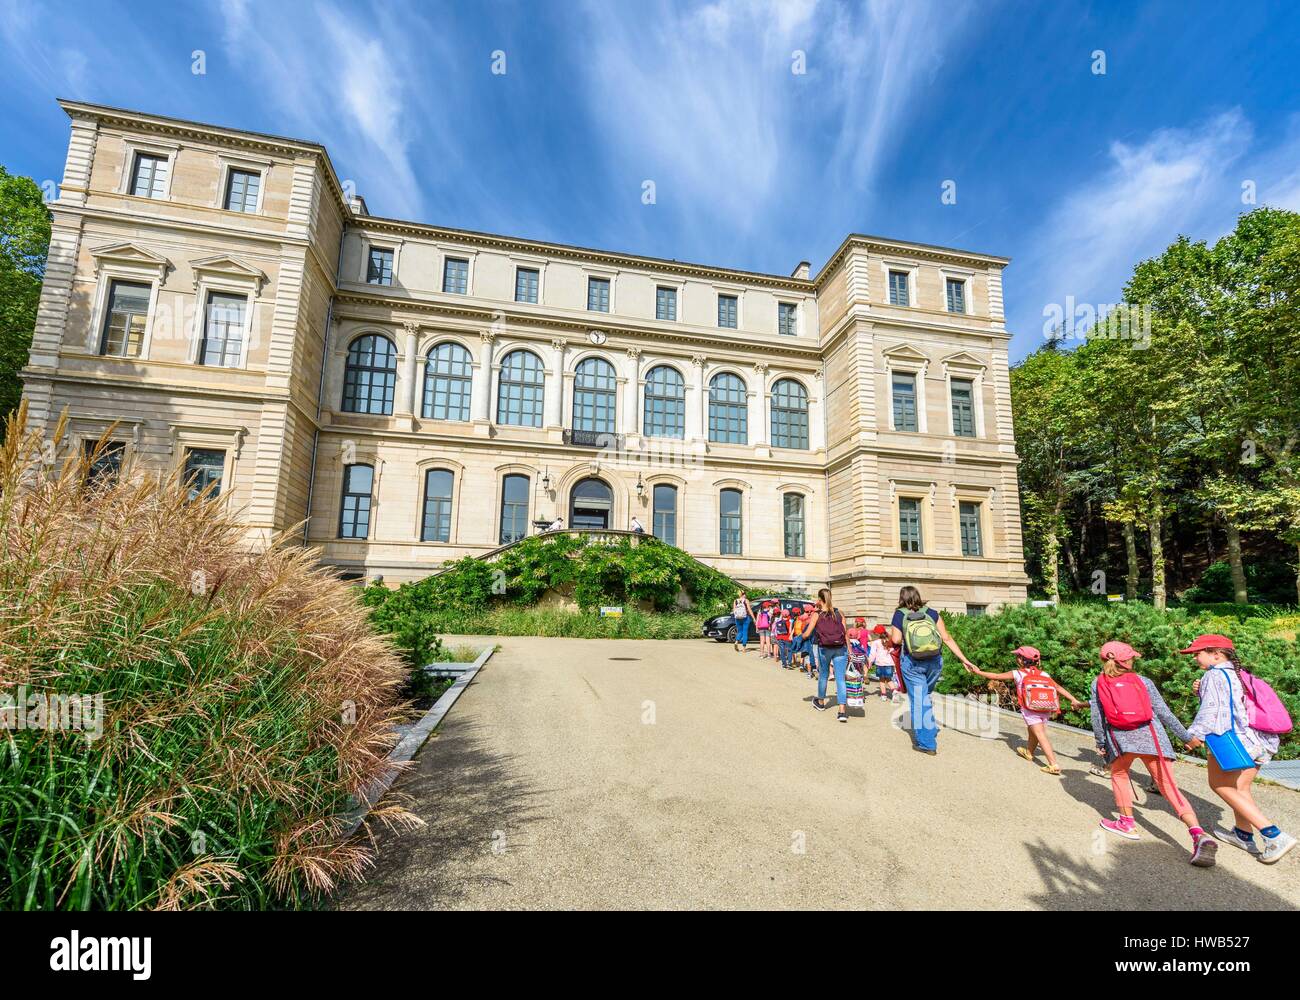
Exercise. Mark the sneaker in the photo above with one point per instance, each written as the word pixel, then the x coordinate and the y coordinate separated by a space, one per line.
pixel 1231 838
pixel 928 751
pixel 844 716
pixel 1276 848
pixel 1125 827
pixel 1203 850
pixel 819 705
pixel 1098 771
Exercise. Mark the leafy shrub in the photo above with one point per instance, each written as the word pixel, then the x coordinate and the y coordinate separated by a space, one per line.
pixel 470 592
pixel 1069 637
pixel 245 699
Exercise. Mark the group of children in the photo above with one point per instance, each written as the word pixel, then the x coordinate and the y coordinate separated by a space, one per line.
pixel 1240 719
pixel 785 635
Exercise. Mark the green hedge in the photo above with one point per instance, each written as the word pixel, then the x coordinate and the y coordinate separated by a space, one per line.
pixel 496 598
pixel 1070 636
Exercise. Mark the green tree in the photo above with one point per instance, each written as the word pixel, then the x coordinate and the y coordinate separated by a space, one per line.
pixel 1050 414
pixel 24 243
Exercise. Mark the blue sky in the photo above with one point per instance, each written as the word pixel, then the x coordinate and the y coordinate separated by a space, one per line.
pixel 1073 174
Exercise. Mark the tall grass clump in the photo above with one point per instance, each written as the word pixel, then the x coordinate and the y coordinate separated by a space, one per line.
pixel 245 699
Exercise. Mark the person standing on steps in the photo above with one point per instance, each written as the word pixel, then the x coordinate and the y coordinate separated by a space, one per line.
pixel 742 611
pixel 832 643
pixel 920 633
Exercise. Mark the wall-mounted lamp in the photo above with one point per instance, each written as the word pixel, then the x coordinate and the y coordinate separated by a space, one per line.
pixel 546 480
pixel 640 486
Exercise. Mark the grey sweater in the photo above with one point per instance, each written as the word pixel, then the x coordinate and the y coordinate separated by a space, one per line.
pixel 1137 740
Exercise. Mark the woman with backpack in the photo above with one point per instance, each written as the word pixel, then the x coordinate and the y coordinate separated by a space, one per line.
pixel 827 630
pixel 1128 721
pixel 920 633
pixel 1241 718
pixel 742 612
pixel 1039 698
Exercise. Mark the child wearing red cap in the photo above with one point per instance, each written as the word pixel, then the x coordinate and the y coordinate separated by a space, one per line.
pixel 1028 661
pixel 1225 709
pixel 1125 711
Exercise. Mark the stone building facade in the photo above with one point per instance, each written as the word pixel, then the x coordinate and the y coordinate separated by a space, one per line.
pixel 400 394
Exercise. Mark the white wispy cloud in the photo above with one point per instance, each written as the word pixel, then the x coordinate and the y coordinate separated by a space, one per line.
pixel 703 99
pixel 1174 181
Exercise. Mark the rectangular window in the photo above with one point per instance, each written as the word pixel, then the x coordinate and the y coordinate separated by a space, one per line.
pixel 728 311
pixel 666 304
pixel 223 330
pixel 455 276
pixel 794 534
pixel 354 514
pixel 665 513
pixel 526 284
pixel 103 462
pixel 203 470
pixel 437 506
pixel 904 394
pixel 909 524
pixel 598 294
pixel 963 407
pixel 898 288
pixel 514 509
pixel 125 320
pixel 242 189
pixel 729 525
pixel 968 515
pixel 956 295
pixel 149 176
pixel 379 271
pixel 787 319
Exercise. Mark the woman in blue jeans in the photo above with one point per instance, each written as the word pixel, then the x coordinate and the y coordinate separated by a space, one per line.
pixel 921 676
pixel 743 612
pixel 832 643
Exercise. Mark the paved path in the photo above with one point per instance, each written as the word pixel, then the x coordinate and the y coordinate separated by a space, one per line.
pixel 629 773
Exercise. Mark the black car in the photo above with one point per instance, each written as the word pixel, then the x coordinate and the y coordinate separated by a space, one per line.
pixel 722 628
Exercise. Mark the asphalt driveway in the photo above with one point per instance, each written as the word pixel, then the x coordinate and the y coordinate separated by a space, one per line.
pixel 648 774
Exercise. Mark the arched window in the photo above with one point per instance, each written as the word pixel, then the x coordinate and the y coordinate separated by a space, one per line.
pixel 591 504
pixel 728 409
pixel 794 525
pixel 730 524
pixel 593 396
pixel 447 374
pixel 789 415
pixel 664 523
pixel 665 403
pixel 354 510
pixel 514 508
pixel 370 376
pixel 436 526
pixel 520 390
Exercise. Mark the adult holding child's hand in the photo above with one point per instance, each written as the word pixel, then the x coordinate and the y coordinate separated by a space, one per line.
pixel 920 632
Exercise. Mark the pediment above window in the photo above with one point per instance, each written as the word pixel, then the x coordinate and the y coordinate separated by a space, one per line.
pixel 962 361
pixel 223 266
pixel 903 354
pixel 130 255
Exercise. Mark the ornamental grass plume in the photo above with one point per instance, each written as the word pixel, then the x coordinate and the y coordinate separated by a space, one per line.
pixel 184 717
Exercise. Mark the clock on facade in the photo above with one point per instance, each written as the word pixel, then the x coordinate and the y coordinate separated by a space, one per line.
pixel 596 337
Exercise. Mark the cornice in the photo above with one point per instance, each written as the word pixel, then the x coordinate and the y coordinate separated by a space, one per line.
pixel 417 310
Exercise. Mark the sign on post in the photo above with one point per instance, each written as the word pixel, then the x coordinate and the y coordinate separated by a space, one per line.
pixel 611 612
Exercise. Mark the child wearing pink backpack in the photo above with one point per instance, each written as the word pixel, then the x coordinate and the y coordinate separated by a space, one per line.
pixel 1242 719
pixel 1128 720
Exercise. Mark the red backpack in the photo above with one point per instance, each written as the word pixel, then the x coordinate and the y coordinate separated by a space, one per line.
pixel 1126 705
pixel 1037 692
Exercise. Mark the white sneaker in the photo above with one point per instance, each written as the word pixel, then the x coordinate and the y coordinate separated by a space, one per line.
pixel 1230 837
pixel 1275 848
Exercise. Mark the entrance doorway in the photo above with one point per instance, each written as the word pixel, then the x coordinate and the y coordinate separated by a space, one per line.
pixel 591 505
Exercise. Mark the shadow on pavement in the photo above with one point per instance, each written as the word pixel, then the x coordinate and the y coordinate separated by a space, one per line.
pixel 1144 876
pixel 467 796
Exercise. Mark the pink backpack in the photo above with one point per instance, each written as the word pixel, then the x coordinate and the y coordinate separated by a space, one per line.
pixel 1266 712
